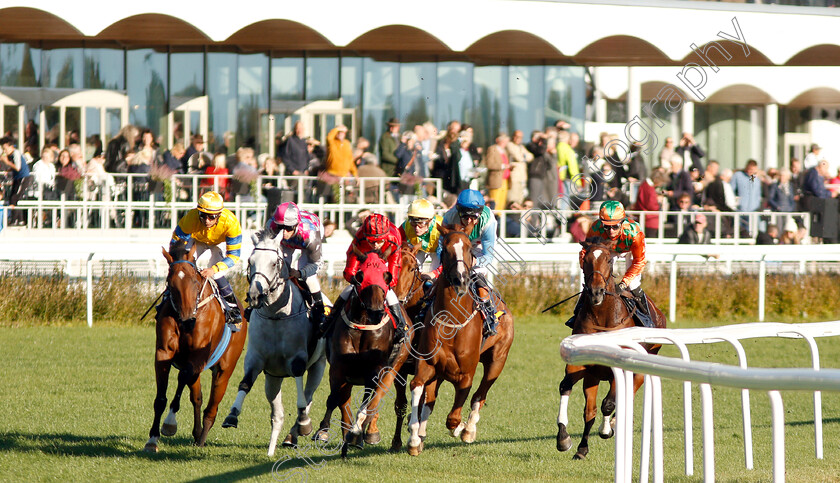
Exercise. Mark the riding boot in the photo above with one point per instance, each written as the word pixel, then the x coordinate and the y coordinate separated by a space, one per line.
pixel 642 310
pixel 571 322
pixel 399 333
pixel 233 316
pixel 316 316
pixel 426 301
pixel 485 305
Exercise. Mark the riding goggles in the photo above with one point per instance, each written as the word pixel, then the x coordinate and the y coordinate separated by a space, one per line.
pixel 208 216
pixel 419 221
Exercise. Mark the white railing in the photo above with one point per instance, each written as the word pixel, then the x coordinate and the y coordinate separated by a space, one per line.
pixel 622 351
pixel 134 201
pixel 74 256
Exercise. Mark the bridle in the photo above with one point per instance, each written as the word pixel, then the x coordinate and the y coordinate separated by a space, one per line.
pixel 198 303
pixel 587 284
pixel 411 289
pixel 445 256
pixel 274 282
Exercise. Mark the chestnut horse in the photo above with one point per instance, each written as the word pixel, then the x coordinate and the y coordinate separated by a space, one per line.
pixel 360 351
pixel 451 346
pixel 602 310
pixel 189 327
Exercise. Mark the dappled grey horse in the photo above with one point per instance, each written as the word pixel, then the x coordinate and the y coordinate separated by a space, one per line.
pixel 281 343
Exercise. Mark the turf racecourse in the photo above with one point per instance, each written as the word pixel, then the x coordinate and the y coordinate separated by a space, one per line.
pixel 78 405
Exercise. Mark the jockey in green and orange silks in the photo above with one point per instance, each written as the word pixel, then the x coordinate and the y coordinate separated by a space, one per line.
pixel 613 225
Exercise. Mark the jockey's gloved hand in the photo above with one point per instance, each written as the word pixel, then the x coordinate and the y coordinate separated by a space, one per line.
pixel 426 277
pixel 622 286
pixel 294 273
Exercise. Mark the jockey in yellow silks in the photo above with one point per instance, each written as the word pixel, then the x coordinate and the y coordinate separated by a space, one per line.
pixel 210 224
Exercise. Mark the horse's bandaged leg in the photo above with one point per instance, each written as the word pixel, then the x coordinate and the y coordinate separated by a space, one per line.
pixel 414 422
pixel 473 417
pixel 563 414
pixel 424 419
pixel 240 399
pixel 170 419
pixel 605 429
pixel 275 398
pixel 302 403
pixel 360 419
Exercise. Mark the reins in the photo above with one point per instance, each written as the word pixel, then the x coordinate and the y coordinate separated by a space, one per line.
pixel 198 302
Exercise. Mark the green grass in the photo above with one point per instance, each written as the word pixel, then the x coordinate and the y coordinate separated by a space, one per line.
pixel 78 405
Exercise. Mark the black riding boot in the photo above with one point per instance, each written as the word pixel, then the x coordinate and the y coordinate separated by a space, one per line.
pixel 642 310
pixel 316 316
pixel 426 301
pixel 233 316
pixel 399 333
pixel 571 322
pixel 486 307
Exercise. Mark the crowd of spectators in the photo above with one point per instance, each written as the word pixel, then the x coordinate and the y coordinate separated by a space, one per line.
pixel 515 172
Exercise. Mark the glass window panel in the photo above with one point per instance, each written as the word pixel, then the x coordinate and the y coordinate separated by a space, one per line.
pixel 93 131
pixel 51 127
pixel 146 86
pixel 62 68
pixel 221 90
pixel 418 93
pixel 20 64
pixel 287 79
pixel 10 122
pixel 72 125
pixel 454 92
pixel 321 78
pixel 253 97
pixel 380 89
pixel 526 86
pixel 187 75
pixel 103 69
pixel 351 81
pixel 490 103
pixel 721 132
pixel 672 122
pixel 566 96
pixel 749 135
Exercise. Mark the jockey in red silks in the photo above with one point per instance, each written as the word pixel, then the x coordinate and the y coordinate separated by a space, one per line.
pixel 301 230
pixel 377 234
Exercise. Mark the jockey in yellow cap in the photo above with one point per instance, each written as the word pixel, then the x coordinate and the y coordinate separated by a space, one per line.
pixel 613 224
pixel 210 224
pixel 422 228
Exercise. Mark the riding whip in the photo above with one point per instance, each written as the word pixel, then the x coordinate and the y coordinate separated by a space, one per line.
pixel 562 302
pixel 153 304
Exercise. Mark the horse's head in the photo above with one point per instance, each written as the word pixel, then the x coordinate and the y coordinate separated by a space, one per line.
pixel 267 271
pixel 184 279
pixel 597 268
pixel 373 280
pixel 456 258
pixel 408 272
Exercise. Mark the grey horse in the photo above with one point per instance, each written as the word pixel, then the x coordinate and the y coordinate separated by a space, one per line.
pixel 281 343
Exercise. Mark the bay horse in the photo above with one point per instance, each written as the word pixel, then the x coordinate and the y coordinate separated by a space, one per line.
pixel 602 310
pixel 282 342
pixel 190 328
pixel 360 351
pixel 451 345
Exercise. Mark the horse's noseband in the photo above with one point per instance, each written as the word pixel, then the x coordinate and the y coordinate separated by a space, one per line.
pixel 274 282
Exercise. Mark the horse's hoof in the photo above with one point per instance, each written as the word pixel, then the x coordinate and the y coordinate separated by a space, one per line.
pixel 564 444
pixel 306 429
pixel 230 421
pixel 468 436
pixel 581 454
pixel 415 450
pixel 168 429
pixel 290 441
pixel 322 435
pixel 608 435
pixel 355 440
pixel 396 446
pixel 150 448
pixel 373 438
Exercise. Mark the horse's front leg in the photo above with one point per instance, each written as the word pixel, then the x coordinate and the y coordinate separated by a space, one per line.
pixel 454 423
pixel 197 401
pixel 607 428
pixel 254 364
pixel 590 392
pixel 273 386
pixel 170 424
pixel 163 362
pixel 400 406
pixel 573 375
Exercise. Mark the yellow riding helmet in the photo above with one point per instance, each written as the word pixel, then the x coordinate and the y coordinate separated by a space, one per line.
pixel 211 203
pixel 421 209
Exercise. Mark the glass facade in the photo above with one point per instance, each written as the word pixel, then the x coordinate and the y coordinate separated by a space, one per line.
pixel 242 87
pixel 731 134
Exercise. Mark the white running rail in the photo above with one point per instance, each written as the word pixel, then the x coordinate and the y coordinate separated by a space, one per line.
pixel 622 351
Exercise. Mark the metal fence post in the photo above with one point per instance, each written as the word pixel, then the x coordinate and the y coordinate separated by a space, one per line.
pixel 89 288
pixel 762 274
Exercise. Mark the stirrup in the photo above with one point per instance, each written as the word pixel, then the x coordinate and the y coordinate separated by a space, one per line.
pixel 235 326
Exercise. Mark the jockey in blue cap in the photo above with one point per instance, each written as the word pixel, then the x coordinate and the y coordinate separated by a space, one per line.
pixel 477 219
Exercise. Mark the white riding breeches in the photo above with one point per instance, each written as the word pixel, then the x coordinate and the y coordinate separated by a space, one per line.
pixel 216 256
pixel 423 257
pixel 312 282
pixel 390 297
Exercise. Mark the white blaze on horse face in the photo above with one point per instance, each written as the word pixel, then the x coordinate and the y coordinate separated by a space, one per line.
pixel 597 253
pixel 563 415
pixel 181 275
pixel 459 255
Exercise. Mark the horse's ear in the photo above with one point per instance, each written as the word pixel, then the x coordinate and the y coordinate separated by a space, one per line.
pixel 166 255
pixel 388 278
pixel 444 230
pixel 585 244
pixel 193 248
pixel 255 239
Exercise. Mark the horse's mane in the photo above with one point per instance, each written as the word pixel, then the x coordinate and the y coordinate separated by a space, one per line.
pixel 180 249
pixel 262 235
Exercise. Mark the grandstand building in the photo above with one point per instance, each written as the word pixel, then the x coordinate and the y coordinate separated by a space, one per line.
pixel 750 80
